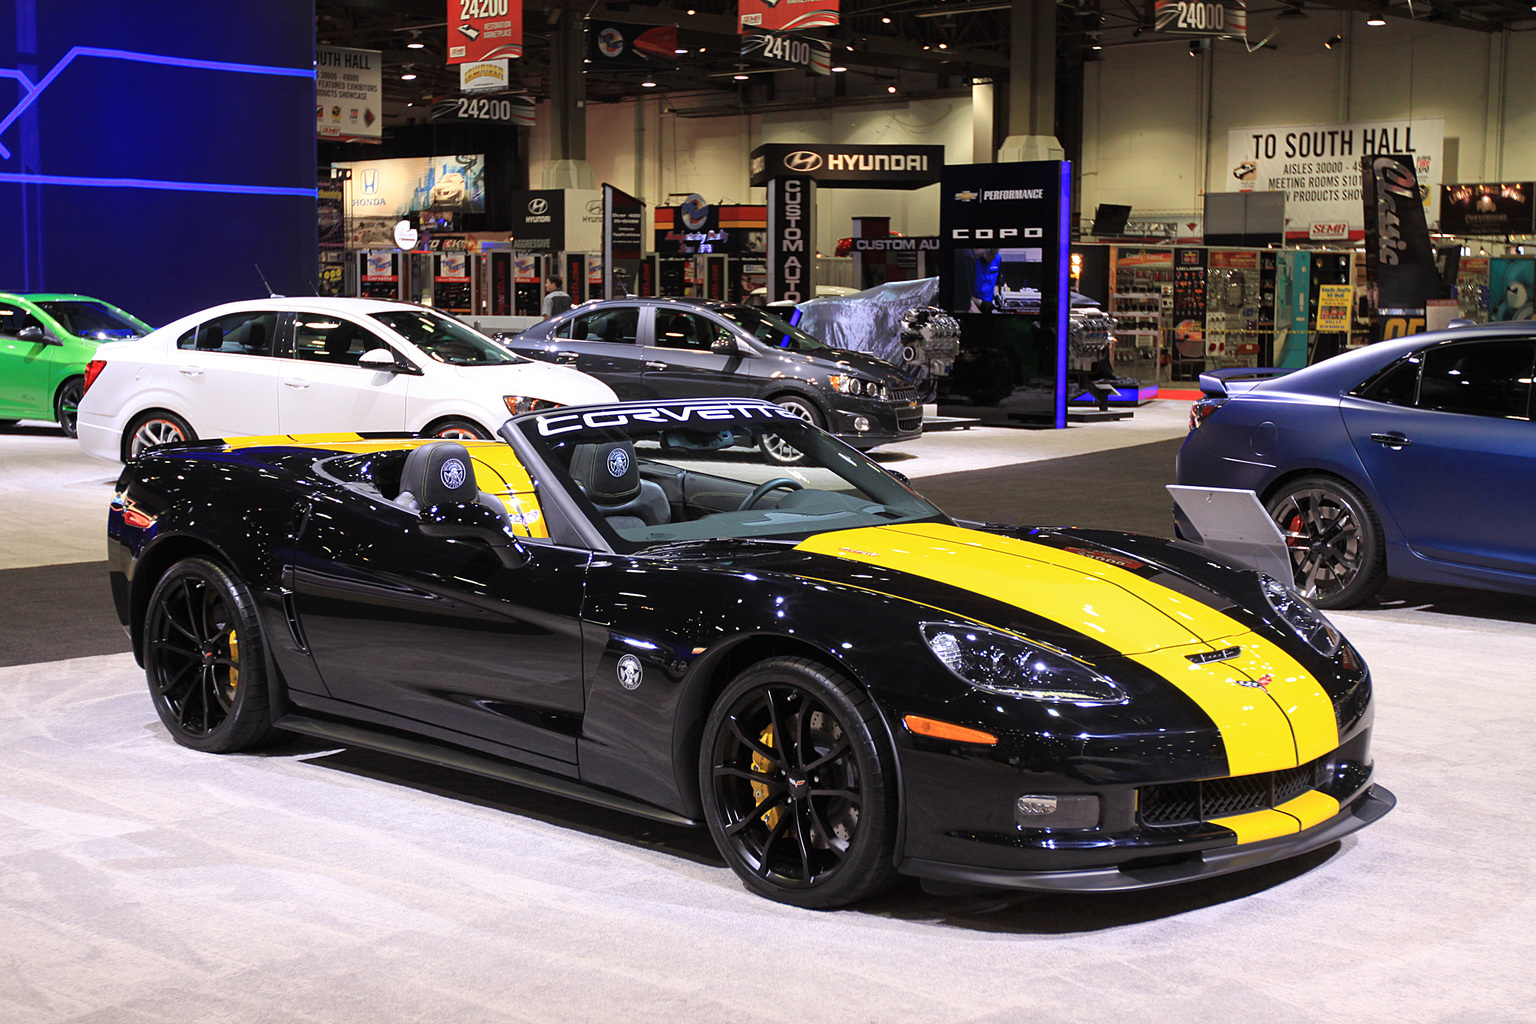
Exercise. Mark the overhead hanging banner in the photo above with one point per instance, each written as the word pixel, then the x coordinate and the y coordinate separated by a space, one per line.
pixel 485 75
pixel 1317 166
pixel 516 110
pixel 849 166
pixel 785 15
pixel 1401 275
pixel 787 51
pixel 1201 18
pixel 1487 209
pixel 613 45
pixel 402 186
pixel 484 30
pixel 348 94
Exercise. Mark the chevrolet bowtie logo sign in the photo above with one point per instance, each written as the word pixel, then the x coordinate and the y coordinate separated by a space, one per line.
pixel 966 196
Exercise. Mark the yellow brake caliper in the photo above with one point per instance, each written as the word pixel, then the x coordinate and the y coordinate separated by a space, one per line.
pixel 763 766
pixel 234 657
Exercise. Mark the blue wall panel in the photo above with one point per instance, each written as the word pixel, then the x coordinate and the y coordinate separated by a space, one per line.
pixel 153 154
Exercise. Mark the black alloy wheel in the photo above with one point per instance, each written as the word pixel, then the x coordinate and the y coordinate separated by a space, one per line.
pixel 1338 557
pixel 205 659
pixel 799 785
pixel 779 451
pixel 66 405
pixel 154 428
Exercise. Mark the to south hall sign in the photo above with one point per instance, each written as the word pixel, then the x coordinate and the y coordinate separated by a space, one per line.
pixel 849 166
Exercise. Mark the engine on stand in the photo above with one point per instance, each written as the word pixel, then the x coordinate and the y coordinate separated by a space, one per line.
pixel 930 341
pixel 1090 341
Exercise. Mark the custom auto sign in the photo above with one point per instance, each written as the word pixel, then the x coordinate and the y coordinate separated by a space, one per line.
pixel 849 166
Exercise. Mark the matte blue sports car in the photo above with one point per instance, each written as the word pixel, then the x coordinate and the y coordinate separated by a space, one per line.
pixel 1413 458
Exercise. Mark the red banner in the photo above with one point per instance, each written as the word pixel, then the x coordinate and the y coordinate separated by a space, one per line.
pixel 484 30
pixel 785 15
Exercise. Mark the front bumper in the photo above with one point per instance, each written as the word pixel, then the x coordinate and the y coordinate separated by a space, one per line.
pixel 1152 871
pixel 889 422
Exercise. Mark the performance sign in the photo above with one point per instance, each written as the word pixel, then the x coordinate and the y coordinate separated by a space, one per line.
pixel 1487 209
pixel 348 98
pixel 1201 17
pixel 484 30
pixel 785 15
pixel 788 51
pixel 849 166
pixel 1317 166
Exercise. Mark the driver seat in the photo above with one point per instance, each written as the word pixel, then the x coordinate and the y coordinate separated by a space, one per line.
pixel 428 479
pixel 608 475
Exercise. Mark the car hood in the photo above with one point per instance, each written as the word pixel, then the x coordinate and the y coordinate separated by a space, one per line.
pixel 833 359
pixel 536 379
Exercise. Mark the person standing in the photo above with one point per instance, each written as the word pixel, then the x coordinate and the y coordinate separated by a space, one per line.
pixel 556 301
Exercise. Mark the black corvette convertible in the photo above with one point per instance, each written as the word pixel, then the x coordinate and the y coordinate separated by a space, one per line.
pixel 620 604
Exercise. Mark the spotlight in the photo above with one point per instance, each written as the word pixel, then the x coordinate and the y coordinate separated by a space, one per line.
pixel 839 70
pixel 409 76
pixel 1331 43
pixel 415 43
pixel 679 51
pixel 1376 21
pixel 943 46
pixel 741 78
pixel 648 85
pixel 1194 48
pixel 890 88
pixel 887 21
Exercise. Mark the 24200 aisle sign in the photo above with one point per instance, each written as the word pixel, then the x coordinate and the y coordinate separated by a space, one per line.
pixel 1196 18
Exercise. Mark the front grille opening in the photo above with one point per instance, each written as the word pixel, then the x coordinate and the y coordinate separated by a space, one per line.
pixel 1185 803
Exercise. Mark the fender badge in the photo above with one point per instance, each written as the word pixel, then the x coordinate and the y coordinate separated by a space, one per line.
pixel 1261 683
pixel 1206 657
pixel 631 672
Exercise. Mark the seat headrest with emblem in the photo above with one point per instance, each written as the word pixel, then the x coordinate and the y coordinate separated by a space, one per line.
pixel 439 472
pixel 607 471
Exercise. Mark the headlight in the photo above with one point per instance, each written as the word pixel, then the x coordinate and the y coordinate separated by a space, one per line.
pixel 1302 616
pixel 1006 664
pixel 517 404
pixel 857 386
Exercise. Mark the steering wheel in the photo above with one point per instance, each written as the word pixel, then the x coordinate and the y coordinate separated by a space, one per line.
pixel 766 486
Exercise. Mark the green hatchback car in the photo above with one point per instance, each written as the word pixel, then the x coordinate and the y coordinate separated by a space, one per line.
pixel 46 341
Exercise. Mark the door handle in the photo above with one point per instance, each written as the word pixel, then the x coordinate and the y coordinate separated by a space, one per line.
pixel 191 371
pixel 1392 440
pixel 297 384
pixel 567 357
pixel 655 366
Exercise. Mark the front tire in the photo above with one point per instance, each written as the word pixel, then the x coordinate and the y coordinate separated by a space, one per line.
pixel 778 451
pixel 456 430
pixel 1334 538
pixel 154 428
pixel 205 659
pixel 66 405
pixel 799 785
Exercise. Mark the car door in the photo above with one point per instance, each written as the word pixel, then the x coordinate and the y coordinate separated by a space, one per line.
pixel 681 361
pixel 439 632
pixel 605 342
pixel 224 372
pixel 322 387
pixel 1448 442
pixel 26 367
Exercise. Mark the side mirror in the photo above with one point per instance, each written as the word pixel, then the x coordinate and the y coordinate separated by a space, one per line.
pixel 36 336
pixel 899 475
pixel 473 521
pixel 378 359
pixel 727 346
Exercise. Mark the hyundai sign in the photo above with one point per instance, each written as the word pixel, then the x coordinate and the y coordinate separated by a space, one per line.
pixel 849 166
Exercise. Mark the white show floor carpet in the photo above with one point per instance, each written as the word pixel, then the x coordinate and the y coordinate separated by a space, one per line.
pixel 142 882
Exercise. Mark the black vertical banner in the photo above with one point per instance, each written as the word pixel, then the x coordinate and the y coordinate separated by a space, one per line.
pixel 576 277
pixel 1399 260
pixel 791 239
pixel 623 222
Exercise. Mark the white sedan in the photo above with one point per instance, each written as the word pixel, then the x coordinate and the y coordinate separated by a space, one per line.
pixel 303 366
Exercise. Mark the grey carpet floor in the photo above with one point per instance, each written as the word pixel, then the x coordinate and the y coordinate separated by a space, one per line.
pixel 140 881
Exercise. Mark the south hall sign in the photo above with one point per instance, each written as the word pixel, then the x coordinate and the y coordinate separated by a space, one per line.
pixel 849 166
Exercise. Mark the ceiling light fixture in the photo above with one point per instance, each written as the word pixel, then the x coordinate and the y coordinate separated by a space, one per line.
pixel 885 21
pixel 890 88
pixel 1376 21
pixel 740 78
pixel 943 46
pixel 409 76
pixel 679 50
pixel 648 85
pixel 1194 48
pixel 1332 42
pixel 839 70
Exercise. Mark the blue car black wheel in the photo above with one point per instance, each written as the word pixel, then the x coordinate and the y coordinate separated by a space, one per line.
pixel 1334 539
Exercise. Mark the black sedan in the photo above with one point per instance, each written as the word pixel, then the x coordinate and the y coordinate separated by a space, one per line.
pixel 838 681
pixel 693 348
pixel 1413 459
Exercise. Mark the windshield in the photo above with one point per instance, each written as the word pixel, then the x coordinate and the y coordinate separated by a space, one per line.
pixel 445 339
pixel 669 472
pixel 769 329
pixel 93 320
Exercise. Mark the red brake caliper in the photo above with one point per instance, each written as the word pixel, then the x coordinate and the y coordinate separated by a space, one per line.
pixel 1294 537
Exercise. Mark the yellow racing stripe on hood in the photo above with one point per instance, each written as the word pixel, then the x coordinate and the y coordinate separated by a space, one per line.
pixel 1272 715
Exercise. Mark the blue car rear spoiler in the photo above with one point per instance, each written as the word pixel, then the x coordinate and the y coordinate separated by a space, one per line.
pixel 1239 379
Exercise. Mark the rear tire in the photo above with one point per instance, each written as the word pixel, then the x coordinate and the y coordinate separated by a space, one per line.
pixel 66 405
pixel 154 428
pixel 799 785
pixel 205 659
pixel 1334 538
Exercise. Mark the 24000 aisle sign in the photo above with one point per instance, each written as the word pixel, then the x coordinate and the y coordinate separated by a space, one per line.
pixel 1193 18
